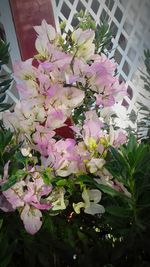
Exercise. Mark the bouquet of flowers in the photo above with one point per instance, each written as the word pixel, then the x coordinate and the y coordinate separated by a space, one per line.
pixel 68 79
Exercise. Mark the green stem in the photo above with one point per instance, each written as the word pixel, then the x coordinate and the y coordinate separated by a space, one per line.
pixel 132 189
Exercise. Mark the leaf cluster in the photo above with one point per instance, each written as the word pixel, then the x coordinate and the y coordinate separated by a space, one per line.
pixel 10 154
pixel 5 80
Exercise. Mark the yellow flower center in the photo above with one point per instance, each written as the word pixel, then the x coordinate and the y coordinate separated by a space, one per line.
pixel 92 144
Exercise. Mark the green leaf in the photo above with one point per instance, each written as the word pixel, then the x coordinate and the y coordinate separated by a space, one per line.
pixel 4 106
pixel 6 82
pixel 4 52
pixel 1 140
pixel 112 192
pixel 10 154
pixel 62 182
pixel 47 176
pixel 119 158
pixel 4 89
pixel 85 179
pixel 12 180
pixel 132 143
pixel 1 223
pixel 119 211
pixel 7 137
pixel 2 98
pixel 20 174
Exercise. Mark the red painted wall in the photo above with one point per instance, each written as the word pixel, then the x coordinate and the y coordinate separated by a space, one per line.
pixel 26 14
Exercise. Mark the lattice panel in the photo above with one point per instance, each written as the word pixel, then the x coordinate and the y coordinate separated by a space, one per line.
pixel 130 25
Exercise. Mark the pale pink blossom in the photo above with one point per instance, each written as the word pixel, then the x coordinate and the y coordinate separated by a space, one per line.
pixel 84 43
pixel 95 164
pixel 32 219
pixel 24 70
pixel 92 127
pixel 46 29
pixel 118 137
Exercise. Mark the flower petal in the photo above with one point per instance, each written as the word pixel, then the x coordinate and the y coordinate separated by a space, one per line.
pixel 94 208
pixel 95 195
pixel 78 206
pixel 4 204
pixel 32 219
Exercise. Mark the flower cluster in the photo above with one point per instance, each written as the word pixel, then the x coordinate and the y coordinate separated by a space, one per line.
pixel 51 87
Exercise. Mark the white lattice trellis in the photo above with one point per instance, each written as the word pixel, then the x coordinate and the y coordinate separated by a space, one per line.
pixel 130 24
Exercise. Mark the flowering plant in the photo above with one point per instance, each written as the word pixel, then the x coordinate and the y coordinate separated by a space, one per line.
pixel 61 155
pixel 57 171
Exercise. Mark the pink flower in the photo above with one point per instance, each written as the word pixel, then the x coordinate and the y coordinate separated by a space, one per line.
pixel 63 158
pixel 117 137
pixel 105 61
pixel 25 70
pixel 4 204
pixel 105 100
pixel 55 118
pixel 72 97
pixel 121 188
pixel 15 194
pixel 27 91
pixel 92 126
pixel 27 194
pixel 43 137
pixel 121 138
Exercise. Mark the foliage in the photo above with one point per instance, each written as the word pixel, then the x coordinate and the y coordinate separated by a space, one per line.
pixel 119 238
pixel 5 80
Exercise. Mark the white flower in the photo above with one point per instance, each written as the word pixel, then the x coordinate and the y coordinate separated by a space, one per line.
pixel 91 199
pixel 46 34
pixel 84 42
pixel 56 198
pixel 95 164
pixel 46 30
pixel 25 151
pixel 41 45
